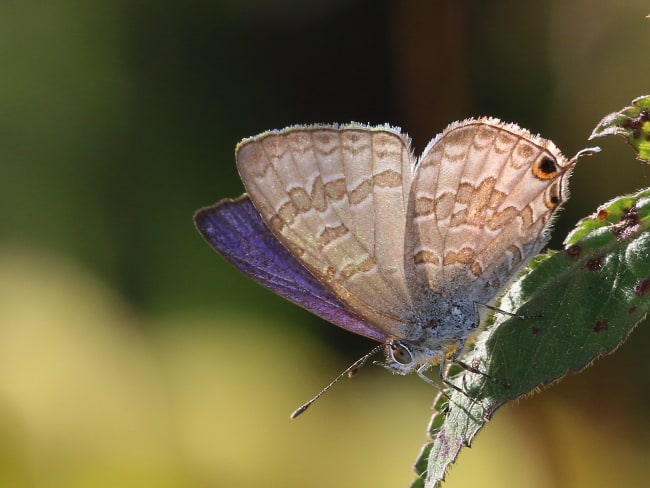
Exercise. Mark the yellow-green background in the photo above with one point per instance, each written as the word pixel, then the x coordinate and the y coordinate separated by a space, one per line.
pixel 131 355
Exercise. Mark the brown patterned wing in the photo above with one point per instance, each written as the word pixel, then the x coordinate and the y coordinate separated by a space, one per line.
pixel 336 198
pixel 482 198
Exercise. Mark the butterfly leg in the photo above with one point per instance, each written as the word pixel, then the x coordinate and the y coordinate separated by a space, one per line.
pixel 510 314
pixel 425 367
pixel 420 372
pixel 443 369
pixel 445 393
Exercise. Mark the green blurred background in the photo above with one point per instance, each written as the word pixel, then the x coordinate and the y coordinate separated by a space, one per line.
pixel 132 355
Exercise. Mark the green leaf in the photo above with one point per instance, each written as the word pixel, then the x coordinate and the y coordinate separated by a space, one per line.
pixel 579 304
pixel 633 123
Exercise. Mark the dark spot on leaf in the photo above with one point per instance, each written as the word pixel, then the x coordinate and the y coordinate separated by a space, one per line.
pixel 535 330
pixel 634 131
pixel 635 125
pixel 573 251
pixel 628 225
pixel 644 115
pixel 631 213
pixel 595 263
pixel 600 326
pixel 642 287
pixel 631 310
pixel 602 214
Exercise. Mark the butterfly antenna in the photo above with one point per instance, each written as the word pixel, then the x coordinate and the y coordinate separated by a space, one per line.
pixel 587 151
pixel 349 371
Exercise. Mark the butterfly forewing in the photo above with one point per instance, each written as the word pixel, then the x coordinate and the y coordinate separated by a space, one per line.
pixel 335 198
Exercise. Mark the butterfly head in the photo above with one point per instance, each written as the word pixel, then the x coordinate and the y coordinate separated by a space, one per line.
pixel 404 357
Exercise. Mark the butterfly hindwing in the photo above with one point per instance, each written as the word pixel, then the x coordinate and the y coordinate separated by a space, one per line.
pixel 482 198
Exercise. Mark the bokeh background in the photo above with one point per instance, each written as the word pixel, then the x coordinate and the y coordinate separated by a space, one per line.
pixel 132 355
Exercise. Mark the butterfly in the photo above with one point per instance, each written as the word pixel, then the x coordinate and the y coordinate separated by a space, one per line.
pixel 346 222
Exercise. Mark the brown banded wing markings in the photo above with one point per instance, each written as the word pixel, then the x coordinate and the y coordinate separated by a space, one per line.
pixel 424 256
pixel 403 243
pixel 392 174
pixel 426 206
pixel 524 151
pixel 478 207
pixel 361 193
pixel 281 196
pixel 345 194
pixel 306 226
pixel 359 146
pixel 481 203
pixel 331 234
pixel 504 216
pixel 335 189
pixel 465 255
pixel 318 195
pixel 388 179
pixel 495 203
pixel 301 200
pixel 266 190
pixel 365 266
pixel 384 170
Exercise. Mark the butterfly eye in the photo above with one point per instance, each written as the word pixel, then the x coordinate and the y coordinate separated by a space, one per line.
pixel 400 353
